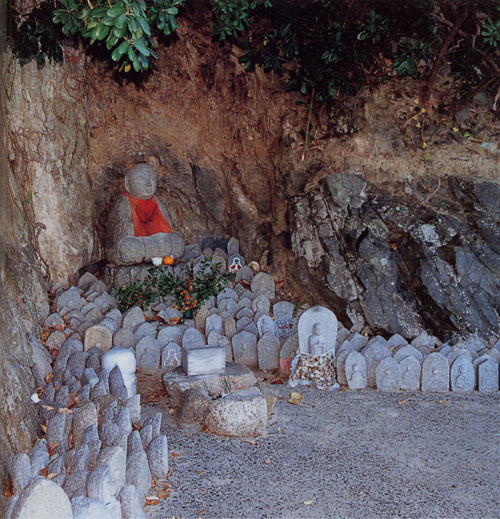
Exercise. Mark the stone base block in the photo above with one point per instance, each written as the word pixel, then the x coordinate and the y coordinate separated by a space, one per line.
pixel 126 275
pixel 242 413
pixel 234 377
pixel 204 360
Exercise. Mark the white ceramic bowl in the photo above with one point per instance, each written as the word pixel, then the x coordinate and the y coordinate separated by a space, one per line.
pixel 156 261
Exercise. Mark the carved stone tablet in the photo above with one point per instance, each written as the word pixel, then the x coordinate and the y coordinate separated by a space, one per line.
pixel 317 331
pixel 387 375
pixel 410 370
pixel 245 349
pixel 374 352
pixel 407 351
pixel 487 373
pixel 463 378
pixel 435 374
pixel 355 370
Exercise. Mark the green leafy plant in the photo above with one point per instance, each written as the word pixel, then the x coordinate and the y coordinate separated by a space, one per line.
pixel 232 17
pixel 138 293
pixel 409 54
pixel 190 291
pixel 36 37
pixel 491 31
pixel 376 26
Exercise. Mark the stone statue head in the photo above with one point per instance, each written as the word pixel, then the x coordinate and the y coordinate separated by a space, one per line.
pixel 140 181
pixel 317 329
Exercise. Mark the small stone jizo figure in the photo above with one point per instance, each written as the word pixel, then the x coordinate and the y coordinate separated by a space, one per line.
pixel 138 229
pixel 317 340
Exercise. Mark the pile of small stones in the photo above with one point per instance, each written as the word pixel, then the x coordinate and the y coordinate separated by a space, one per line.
pixel 96 459
pixel 90 439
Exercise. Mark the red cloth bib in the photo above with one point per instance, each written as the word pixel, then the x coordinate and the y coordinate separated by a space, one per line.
pixel 147 216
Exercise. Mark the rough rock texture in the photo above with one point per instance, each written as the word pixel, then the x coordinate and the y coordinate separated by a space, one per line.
pixel 425 258
pixel 47 142
pixel 242 413
pixel 23 304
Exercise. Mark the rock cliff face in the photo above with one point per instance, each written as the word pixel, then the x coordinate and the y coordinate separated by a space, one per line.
pixel 23 303
pixel 404 261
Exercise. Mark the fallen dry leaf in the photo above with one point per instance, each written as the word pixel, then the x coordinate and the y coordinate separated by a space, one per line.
pixel 403 402
pixel 44 428
pixel 9 490
pixel 163 494
pixel 51 475
pixel 175 454
pixel 267 461
pixel 152 500
pixel 52 448
pixel 344 388
pixel 251 442
pixel 171 410
pixel 43 472
pixel 295 398
pixel 309 502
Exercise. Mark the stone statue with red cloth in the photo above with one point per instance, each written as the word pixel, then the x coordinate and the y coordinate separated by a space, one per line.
pixel 138 229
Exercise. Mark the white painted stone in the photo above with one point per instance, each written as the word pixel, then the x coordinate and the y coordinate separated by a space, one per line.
pixel 203 360
pixel 41 499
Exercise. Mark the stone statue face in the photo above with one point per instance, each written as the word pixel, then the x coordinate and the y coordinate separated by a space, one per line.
pixel 140 181
pixel 317 329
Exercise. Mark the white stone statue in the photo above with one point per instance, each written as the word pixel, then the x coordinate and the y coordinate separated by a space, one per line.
pixel 317 331
pixel 125 360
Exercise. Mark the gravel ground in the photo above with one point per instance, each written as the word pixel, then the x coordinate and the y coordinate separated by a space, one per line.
pixel 349 454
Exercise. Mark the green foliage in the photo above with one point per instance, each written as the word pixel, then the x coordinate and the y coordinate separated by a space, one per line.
pixel 491 31
pixel 409 54
pixel 138 293
pixel 329 47
pixel 125 28
pixel 37 38
pixel 322 48
pixel 232 17
pixel 190 291
pixel 376 27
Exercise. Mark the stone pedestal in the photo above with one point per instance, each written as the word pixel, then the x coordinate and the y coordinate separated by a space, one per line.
pixel 233 377
pixel 126 275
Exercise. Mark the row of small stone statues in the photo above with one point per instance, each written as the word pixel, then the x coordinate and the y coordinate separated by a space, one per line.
pixel 408 370
pixel 434 375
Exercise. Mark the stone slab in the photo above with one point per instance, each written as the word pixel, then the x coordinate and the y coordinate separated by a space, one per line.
pixel 234 377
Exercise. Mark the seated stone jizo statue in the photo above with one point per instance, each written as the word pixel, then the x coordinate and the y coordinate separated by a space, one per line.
pixel 138 229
